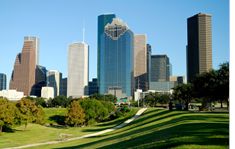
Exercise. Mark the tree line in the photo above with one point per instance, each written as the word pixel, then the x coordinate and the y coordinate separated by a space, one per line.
pixel 208 87
pixel 81 112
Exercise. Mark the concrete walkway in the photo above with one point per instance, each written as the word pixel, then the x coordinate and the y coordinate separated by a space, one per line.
pixel 141 111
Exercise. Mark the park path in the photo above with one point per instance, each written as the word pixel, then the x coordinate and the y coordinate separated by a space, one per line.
pixel 141 111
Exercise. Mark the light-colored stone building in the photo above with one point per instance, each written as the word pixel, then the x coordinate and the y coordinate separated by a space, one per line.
pixel 78 67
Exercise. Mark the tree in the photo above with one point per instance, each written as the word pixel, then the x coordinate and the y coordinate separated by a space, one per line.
pixel 59 101
pixel 94 110
pixel 107 97
pixel 164 98
pixel 222 89
pixel 76 115
pixel 7 113
pixel 29 112
pixel 183 92
pixel 151 99
pixel 213 85
pixel 39 101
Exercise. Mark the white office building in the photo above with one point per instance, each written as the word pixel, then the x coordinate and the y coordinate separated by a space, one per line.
pixel 11 94
pixel 78 58
pixel 47 92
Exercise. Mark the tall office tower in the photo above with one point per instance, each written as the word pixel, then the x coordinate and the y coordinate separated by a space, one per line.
pixel 199 48
pixel 116 60
pixel 78 66
pixel 53 80
pixel 140 62
pixel 23 75
pixel 103 20
pixel 40 80
pixel 63 87
pixel 149 53
pixel 36 41
pixel 160 68
pixel 3 81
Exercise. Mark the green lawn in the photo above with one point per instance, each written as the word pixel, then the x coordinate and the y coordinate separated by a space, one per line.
pixel 159 128
pixel 35 133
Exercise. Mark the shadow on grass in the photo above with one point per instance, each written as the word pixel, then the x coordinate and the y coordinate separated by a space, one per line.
pixel 59 119
pixel 167 134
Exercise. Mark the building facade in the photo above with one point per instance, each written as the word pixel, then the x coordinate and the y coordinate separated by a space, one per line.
pixel 93 87
pixel 103 20
pixel 11 94
pixel 53 80
pixel 40 80
pixel 149 53
pixel 160 68
pixel 116 60
pixel 3 81
pixel 23 75
pixel 63 87
pixel 140 62
pixel 47 92
pixel 78 67
pixel 199 47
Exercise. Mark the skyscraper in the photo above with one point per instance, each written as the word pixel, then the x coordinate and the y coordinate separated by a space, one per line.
pixel 160 68
pixel 199 47
pixel 103 20
pixel 3 81
pixel 78 67
pixel 23 75
pixel 140 62
pixel 37 43
pixel 116 59
pixel 53 80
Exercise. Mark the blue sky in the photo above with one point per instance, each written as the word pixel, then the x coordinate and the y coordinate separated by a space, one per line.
pixel 59 22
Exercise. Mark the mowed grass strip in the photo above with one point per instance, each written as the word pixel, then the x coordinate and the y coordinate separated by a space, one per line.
pixel 35 133
pixel 159 128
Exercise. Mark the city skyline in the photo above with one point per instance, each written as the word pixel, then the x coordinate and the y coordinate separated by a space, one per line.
pixel 164 40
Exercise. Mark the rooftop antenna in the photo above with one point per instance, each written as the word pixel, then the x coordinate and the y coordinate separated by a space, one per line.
pixel 83 32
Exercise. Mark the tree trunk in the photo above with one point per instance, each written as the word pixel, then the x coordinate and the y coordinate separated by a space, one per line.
pixel 25 125
pixel 0 128
pixel 227 104
pixel 186 106
pixel 221 103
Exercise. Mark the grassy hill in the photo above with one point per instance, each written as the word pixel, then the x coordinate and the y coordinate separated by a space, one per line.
pixel 35 133
pixel 156 128
pixel 159 128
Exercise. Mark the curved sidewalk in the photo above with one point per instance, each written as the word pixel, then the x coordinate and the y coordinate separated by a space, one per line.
pixel 141 111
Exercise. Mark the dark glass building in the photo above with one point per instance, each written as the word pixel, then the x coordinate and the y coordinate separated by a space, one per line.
pixel 63 87
pixel 116 60
pixel 40 80
pixel 102 21
pixel 160 68
pixel 199 47
pixel 3 81
pixel 93 87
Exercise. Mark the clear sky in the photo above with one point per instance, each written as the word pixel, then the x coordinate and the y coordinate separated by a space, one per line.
pixel 59 22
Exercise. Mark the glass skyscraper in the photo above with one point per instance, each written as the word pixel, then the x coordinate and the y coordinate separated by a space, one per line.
pixel 103 20
pixel 116 59
pixel 3 81
pixel 160 68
